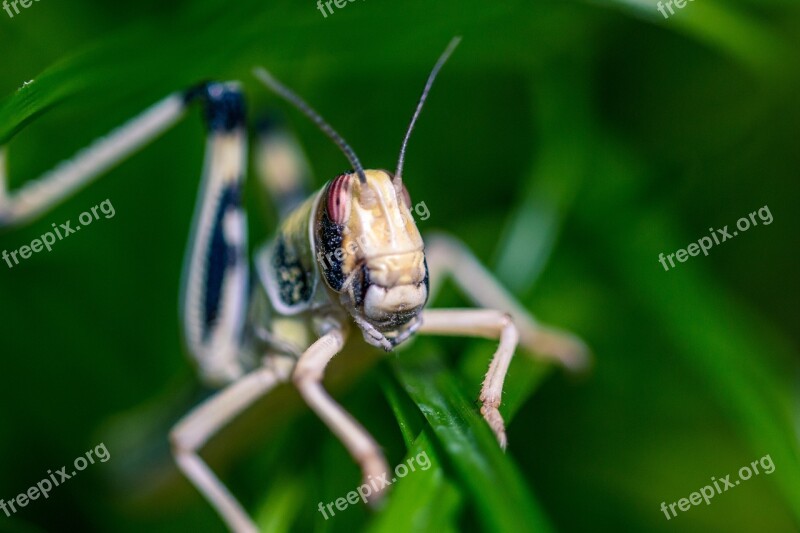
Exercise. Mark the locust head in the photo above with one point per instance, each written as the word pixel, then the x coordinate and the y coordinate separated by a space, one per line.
pixel 366 242
pixel 370 252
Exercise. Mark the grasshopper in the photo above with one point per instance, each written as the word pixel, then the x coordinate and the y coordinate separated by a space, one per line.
pixel 347 257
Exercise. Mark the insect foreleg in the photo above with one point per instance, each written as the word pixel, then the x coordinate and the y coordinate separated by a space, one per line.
pixel 481 323
pixel 307 377
pixel 448 256
pixel 505 319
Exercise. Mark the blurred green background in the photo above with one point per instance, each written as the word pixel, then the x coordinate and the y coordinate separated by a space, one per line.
pixel 568 143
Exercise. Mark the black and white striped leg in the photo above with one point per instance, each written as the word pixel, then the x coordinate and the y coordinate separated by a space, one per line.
pixel 215 281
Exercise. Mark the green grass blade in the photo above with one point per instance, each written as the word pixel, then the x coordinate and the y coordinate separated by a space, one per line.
pixel 426 500
pixel 503 500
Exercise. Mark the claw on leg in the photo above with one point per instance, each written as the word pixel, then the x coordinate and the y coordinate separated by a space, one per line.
pixel 491 414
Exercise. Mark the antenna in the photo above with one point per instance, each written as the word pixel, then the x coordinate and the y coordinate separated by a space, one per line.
pixel 287 94
pixel 398 175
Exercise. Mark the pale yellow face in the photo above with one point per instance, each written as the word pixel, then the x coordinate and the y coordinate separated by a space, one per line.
pixel 383 233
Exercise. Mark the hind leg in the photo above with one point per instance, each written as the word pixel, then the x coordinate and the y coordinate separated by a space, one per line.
pixel 41 194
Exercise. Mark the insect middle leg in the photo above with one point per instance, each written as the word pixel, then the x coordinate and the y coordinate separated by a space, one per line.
pixel 191 433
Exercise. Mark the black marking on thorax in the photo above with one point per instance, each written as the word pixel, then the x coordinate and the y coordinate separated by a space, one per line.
pixel 295 283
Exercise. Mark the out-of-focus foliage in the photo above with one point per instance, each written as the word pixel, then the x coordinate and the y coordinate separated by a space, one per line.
pixel 567 142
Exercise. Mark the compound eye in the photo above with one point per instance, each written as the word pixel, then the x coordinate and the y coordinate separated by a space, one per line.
pixel 339 199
